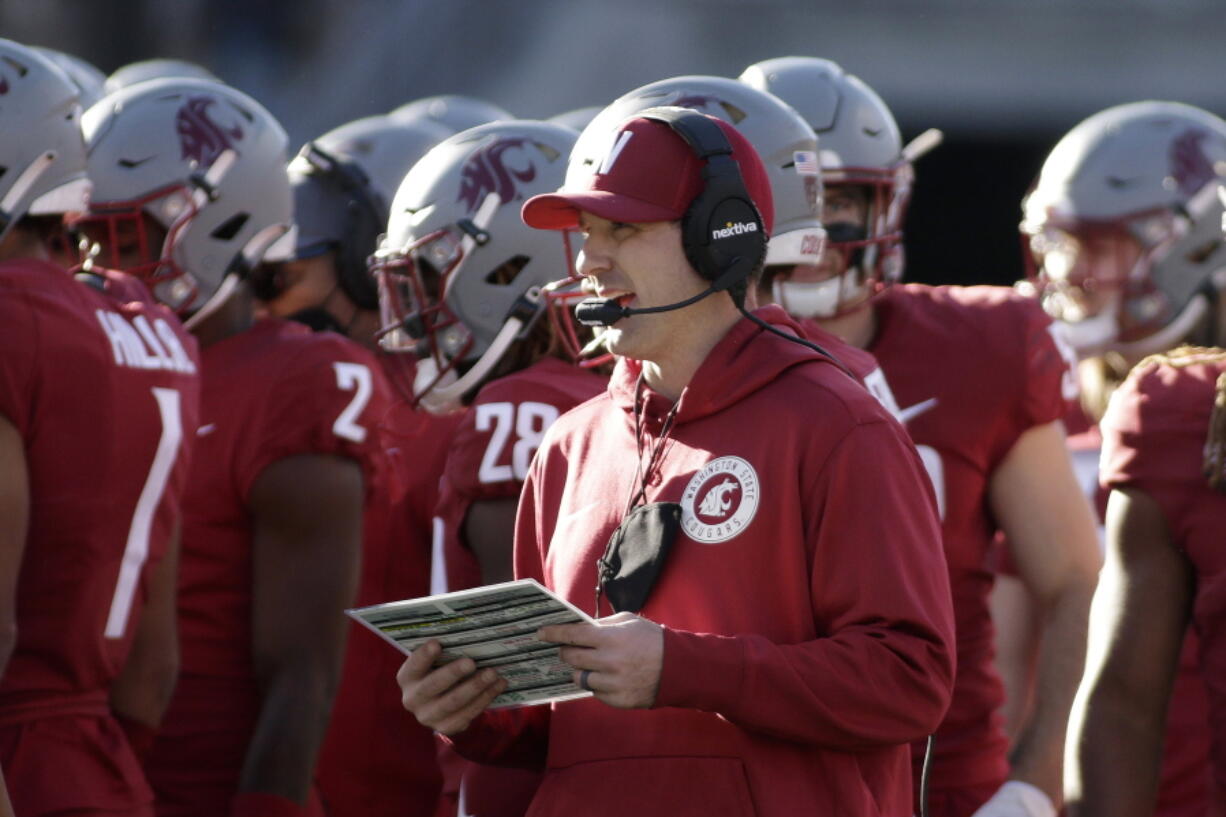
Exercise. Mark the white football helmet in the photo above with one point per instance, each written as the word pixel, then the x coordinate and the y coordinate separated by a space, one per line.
pixel 89 79
pixel 461 277
pixel 1143 176
pixel 206 164
pixel 860 146
pixel 42 156
pixel 452 111
pixel 159 68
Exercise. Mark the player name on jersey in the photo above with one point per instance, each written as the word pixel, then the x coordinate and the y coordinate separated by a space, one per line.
pixel 140 345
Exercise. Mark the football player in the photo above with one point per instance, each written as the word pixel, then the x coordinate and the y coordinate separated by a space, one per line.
pixel 795 629
pixel 986 422
pixel 99 398
pixel 190 193
pixel 1163 453
pixel 376 759
pixel 1123 232
pixel 491 324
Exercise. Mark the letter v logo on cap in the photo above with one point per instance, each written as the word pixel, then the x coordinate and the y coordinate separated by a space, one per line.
pixel 607 165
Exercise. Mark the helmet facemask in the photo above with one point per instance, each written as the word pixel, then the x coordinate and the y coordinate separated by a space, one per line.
pixel 126 236
pixel 1135 284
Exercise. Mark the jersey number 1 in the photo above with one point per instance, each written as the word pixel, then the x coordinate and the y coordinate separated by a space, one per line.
pixel 137 548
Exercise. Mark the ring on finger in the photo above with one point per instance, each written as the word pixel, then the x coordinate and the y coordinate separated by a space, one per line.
pixel 583 676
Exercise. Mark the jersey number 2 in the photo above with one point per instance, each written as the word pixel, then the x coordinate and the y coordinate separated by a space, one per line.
pixel 137 548
pixel 355 377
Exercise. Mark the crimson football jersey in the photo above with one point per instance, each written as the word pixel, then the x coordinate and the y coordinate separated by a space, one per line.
pixel 104 391
pixel 1154 439
pixel 972 368
pixel 493 447
pixel 274 391
pixel 1183 787
pixel 377 760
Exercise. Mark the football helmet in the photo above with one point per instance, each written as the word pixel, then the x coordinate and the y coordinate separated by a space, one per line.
pixel 339 205
pixel 861 146
pixel 452 111
pixel 160 68
pixel 42 156
pixel 384 147
pixel 1123 229
pixel 579 118
pixel 782 139
pixel 89 79
pixel 460 276
pixel 204 163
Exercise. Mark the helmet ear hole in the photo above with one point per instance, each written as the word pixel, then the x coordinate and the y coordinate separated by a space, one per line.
pixel 506 272
pixel 230 227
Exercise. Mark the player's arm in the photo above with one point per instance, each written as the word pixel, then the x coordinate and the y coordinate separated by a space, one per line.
pixel 307 523
pixel 1017 649
pixel 1050 527
pixel 14 520
pixel 489 532
pixel 143 689
pixel 1137 627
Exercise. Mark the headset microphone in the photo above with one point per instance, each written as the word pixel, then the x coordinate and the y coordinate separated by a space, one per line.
pixel 606 311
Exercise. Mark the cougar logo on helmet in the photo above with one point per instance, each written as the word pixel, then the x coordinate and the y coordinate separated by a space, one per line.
pixel 1189 164
pixel 486 172
pixel 201 138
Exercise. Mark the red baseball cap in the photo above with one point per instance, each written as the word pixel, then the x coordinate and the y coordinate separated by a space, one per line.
pixel 649 174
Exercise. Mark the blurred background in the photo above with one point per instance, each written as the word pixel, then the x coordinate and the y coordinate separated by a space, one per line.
pixel 1004 79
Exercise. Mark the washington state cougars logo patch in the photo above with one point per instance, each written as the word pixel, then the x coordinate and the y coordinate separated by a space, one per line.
pixel 200 137
pixel 493 170
pixel 720 500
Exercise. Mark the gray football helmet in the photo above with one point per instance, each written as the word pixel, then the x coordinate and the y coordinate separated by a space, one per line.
pixel 1146 173
pixel 88 78
pixel 338 203
pixel 42 156
pixel 384 147
pixel 782 139
pixel 461 277
pixel 203 161
pixel 452 111
pixel 159 68
pixel 860 145
pixel 579 118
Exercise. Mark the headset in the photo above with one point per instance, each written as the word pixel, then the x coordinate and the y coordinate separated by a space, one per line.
pixel 365 219
pixel 722 231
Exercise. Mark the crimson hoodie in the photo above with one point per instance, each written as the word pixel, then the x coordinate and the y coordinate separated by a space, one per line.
pixel 808 631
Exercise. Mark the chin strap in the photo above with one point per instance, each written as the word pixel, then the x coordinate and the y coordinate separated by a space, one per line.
pixel 21 186
pixel 445 396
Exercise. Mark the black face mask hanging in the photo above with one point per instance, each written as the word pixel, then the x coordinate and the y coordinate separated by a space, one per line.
pixel 635 555
pixel 636 552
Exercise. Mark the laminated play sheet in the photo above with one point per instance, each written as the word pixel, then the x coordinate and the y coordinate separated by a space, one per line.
pixel 495 626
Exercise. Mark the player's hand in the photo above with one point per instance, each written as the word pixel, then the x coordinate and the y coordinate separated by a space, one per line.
pixel 622 656
pixel 448 698
pixel 1017 798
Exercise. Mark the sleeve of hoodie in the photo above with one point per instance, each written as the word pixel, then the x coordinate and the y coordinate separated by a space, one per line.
pixel 881 669
pixel 516 736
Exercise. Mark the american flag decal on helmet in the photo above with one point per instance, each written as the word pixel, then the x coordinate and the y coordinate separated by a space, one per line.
pixel 805 162
pixel 201 138
pixel 486 171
